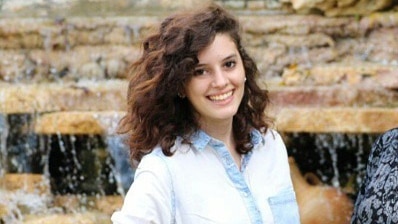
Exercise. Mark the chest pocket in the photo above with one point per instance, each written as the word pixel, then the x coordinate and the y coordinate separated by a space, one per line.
pixel 284 208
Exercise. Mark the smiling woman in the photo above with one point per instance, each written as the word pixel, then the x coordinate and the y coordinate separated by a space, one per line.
pixel 216 89
pixel 197 130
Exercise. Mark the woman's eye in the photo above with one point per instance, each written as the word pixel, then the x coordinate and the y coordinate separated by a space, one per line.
pixel 230 64
pixel 199 72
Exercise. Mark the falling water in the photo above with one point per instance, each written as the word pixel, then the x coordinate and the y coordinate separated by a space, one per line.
pixel 3 144
pixel 331 145
pixel 338 159
pixel 122 169
pixel 82 165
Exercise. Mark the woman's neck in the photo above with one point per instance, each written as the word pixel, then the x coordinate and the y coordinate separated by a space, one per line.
pixel 223 131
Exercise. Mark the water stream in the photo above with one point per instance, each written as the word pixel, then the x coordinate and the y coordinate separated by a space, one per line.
pixel 338 159
pixel 84 166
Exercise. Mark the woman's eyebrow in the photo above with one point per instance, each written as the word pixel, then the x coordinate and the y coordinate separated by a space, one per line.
pixel 233 55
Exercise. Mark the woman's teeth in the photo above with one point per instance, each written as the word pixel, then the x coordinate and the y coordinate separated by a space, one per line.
pixel 220 97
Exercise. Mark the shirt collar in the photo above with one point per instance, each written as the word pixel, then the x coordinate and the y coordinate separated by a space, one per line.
pixel 200 139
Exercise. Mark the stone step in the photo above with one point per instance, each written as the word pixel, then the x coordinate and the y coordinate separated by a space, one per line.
pixel 336 119
pixel 29 196
pixel 287 119
pixel 21 8
pixel 83 62
pixel 351 73
pixel 25 182
pixel 309 66
pixel 47 97
pixel 104 204
pixel 78 122
pixel 72 218
pixel 64 33
pixel 37 49
pixel 332 96
pixel 111 95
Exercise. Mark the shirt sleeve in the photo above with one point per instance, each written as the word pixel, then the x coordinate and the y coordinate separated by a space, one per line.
pixel 149 199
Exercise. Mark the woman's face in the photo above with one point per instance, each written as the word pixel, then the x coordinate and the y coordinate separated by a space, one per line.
pixel 217 87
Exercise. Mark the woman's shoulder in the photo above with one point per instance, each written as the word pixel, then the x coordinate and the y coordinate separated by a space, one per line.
pixel 158 155
pixel 271 141
pixel 153 159
pixel 272 135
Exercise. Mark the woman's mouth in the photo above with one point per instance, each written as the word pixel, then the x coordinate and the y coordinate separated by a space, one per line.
pixel 221 97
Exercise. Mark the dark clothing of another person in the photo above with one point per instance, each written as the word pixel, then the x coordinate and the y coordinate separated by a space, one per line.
pixel 377 200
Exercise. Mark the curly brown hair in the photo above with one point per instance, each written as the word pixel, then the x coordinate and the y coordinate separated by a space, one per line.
pixel 156 115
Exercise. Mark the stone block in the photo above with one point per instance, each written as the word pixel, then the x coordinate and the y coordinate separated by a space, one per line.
pixel 332 96
pixel 79 122
pixel 26 182
pixel 332 119
pixel 81 96
pixel 73 218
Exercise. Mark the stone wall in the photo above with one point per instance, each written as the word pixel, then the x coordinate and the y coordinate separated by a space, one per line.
pixel 306 60
pixel 330 8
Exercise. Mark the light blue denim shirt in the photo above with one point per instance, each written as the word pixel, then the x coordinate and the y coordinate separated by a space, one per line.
pixel 202 184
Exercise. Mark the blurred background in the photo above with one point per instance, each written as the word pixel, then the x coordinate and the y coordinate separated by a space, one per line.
pixel 331 68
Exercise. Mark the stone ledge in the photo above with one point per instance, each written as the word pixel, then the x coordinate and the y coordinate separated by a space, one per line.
pixel 304 24
pixel 336 119
pixel 81 217
pixel 36 32
pixel 290 40
pixel 75 122
pixel 46 33
pixel 111 95
pixel 84 62
pixel 81 96
pixel 288 119
pixel 25 182
pixel 104 204
pixel 352 73
pixel 334 95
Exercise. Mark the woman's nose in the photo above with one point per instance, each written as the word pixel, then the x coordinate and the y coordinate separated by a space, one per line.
pixel 219 78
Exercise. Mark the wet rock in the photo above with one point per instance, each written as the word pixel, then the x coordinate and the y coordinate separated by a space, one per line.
pixel 115 69
pixel 83 218
pixel 29 183
pixel 12 66
pixel 69 96
pixel 92 71
pixel 340 7
pixel 388 80
pixel 329 74
pixel 336 119
pixel 75 122
pixel 103 204
pixel 331 96
pixel 109 204
pixel 314 198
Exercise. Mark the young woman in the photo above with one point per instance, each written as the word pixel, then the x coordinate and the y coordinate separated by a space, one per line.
pixel 198 131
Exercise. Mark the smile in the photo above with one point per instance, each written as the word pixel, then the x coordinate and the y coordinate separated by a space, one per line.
pixel 221 96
